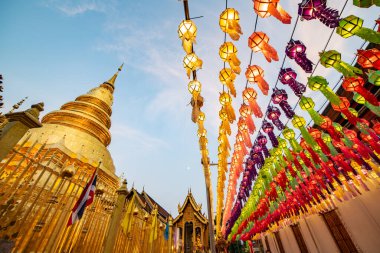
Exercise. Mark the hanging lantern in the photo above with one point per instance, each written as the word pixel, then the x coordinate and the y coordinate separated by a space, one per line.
pixel 369 58
pixel 191 62
pixel 332 58
pixel 296 50
pixel 262 141
pixel 280 97
pixel 246 114
pixel 327 125
pixel 227 53
pixel 343 107
pixel 356 84
pixel 288 76
pixel 194 88
pixel 225 123
pixel 353 25
pixel 366 3
pixel 300 123
pixel 266 8
pixel 200 120
pixel 249 97
pixel 225 100
pixel 374 77
pixel 187 32
pixel 255 74
pixel 321 84
pixel 361 100
pixel 308 104
pixel 352 111
pixel 317 9
pixel 243 129
pixel 268 129
pixel 227 77
pixel 229 23
pixel 274 115
pixel 289 134
pixel 259 42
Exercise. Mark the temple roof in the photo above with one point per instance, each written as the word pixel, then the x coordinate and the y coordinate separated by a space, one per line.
pixel 148 203
pixel 197 208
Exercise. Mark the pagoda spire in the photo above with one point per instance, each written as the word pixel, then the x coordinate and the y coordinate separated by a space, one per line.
pixel 90 113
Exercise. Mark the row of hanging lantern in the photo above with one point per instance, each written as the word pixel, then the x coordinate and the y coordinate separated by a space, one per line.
pixel 187 32
pixel 257 42
pixel 296 50
pixel 229 24
pixel 291 175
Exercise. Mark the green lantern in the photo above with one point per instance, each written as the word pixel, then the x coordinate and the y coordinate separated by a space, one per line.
pixel 361 100
pixel 307 104
pixel 289 134
pixel 353 25
pixel 366 3
pixel 321 84
pixel 300 123
pixel 328 141
pixel 374 77
pixel 332 59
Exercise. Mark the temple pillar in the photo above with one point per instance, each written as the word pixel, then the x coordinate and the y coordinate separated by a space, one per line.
pixel 17 125
pixel 109 243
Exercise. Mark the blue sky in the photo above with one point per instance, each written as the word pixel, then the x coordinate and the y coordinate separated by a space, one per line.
pixel 53 51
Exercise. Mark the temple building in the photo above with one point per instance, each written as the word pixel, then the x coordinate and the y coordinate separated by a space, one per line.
pixel 191 226
pixel 44 167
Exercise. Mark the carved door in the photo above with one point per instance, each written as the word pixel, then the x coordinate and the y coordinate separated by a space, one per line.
pixel 189 230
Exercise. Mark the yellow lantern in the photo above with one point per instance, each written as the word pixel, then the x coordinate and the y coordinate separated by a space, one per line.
pixel 202 132
pixel 191 62
pixel 298 121
pixel 187 32
pixel 225 125
pixel 226 100
pixel 227 53
pixel 229 23
pixel 288 133
pixel 194 88
pixel 227 77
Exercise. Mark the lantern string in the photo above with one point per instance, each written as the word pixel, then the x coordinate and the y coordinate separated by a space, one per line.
pixel 250 58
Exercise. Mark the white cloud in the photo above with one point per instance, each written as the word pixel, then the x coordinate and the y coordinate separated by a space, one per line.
pixel 139 138
pixel 72 8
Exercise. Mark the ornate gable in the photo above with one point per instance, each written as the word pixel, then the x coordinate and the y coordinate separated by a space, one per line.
pixel 190 208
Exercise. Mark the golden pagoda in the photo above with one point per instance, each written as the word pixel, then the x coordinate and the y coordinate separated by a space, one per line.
pixel 44 170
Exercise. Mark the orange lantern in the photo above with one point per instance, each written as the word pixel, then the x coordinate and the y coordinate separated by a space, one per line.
pixel 259 41
pixel 243 128
pixel 227 53
pixel 229 23
pixel 255 74
pixel 249 97
pixel 227 77
pixel 266 8
pixel 245 113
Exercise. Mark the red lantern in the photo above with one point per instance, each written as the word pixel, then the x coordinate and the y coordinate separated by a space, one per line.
pixel 266 8
pixel 369 58
pixel 255 74
pixel 356 84
pixel 249 97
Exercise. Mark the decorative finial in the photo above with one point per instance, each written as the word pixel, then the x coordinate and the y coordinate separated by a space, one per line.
pixel 111 82
pixel 16 106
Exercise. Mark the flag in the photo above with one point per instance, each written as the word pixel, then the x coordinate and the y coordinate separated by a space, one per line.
pixel 166 232
pixel 153 231
pixel 127 221
pixel 85 199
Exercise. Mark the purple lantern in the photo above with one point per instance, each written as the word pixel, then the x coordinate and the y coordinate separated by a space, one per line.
pixel 296 50
pixel 317 9
pixel 280 97
pixel 268 129
pixel 274 115
pixel 262 141
pixel 288 76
